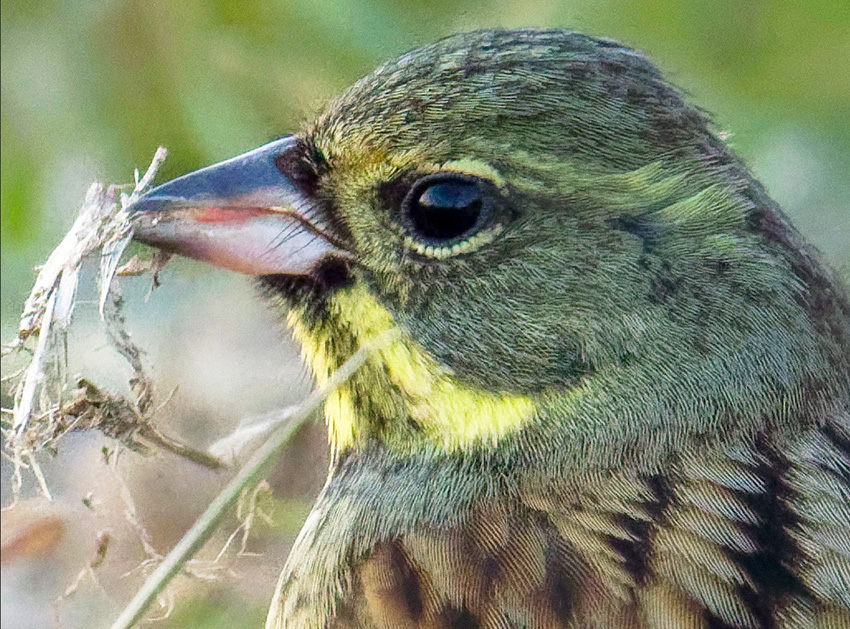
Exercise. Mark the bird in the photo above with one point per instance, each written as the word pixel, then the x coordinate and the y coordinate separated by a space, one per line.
pixel 619 391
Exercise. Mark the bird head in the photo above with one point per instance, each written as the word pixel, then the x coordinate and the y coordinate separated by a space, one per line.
pixel 576 262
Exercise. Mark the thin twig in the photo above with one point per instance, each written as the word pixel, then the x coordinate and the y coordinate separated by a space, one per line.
pixel 87 572
pixel 150 433
pixel 130 513
pixel 25 400
pixel 42 482
pixel 249 475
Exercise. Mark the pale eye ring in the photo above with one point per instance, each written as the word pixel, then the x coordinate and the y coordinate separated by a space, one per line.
pixel 445 208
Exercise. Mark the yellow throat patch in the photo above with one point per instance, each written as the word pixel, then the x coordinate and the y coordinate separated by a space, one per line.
pixel 402 376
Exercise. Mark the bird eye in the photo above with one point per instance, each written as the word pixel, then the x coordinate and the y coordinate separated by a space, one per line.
pixel 443 208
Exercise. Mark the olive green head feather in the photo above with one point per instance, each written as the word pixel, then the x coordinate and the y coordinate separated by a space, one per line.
pixel 583 272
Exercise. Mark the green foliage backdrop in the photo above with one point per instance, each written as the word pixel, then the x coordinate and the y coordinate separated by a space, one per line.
pixel 90 88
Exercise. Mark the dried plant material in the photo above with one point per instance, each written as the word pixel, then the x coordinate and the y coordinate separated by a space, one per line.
pixel 246 512
pixel 132 517
pixel 46 407
pixel 250 432
pixel 138 266
pixel 91 408
pixel 101 546
pixel 87 573
pixel 94 409
pixel 246 478
pixel 102 227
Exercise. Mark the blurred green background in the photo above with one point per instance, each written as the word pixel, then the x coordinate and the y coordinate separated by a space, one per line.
pixel 91 88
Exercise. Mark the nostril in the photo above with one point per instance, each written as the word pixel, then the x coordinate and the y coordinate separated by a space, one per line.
pixel 298 164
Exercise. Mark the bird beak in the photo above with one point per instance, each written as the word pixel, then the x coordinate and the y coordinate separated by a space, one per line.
pixel 242 214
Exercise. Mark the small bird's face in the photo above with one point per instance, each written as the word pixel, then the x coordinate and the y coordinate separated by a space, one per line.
pixel 539 212
pixel 496 204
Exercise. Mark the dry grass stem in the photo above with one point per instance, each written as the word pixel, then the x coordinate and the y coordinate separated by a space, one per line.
pixel 87 573
pixel 46 405
pixel 247 477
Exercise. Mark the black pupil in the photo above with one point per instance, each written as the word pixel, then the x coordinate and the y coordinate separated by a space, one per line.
pixel 446 210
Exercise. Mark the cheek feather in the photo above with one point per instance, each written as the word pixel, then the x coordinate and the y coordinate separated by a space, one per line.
pixel 448 413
